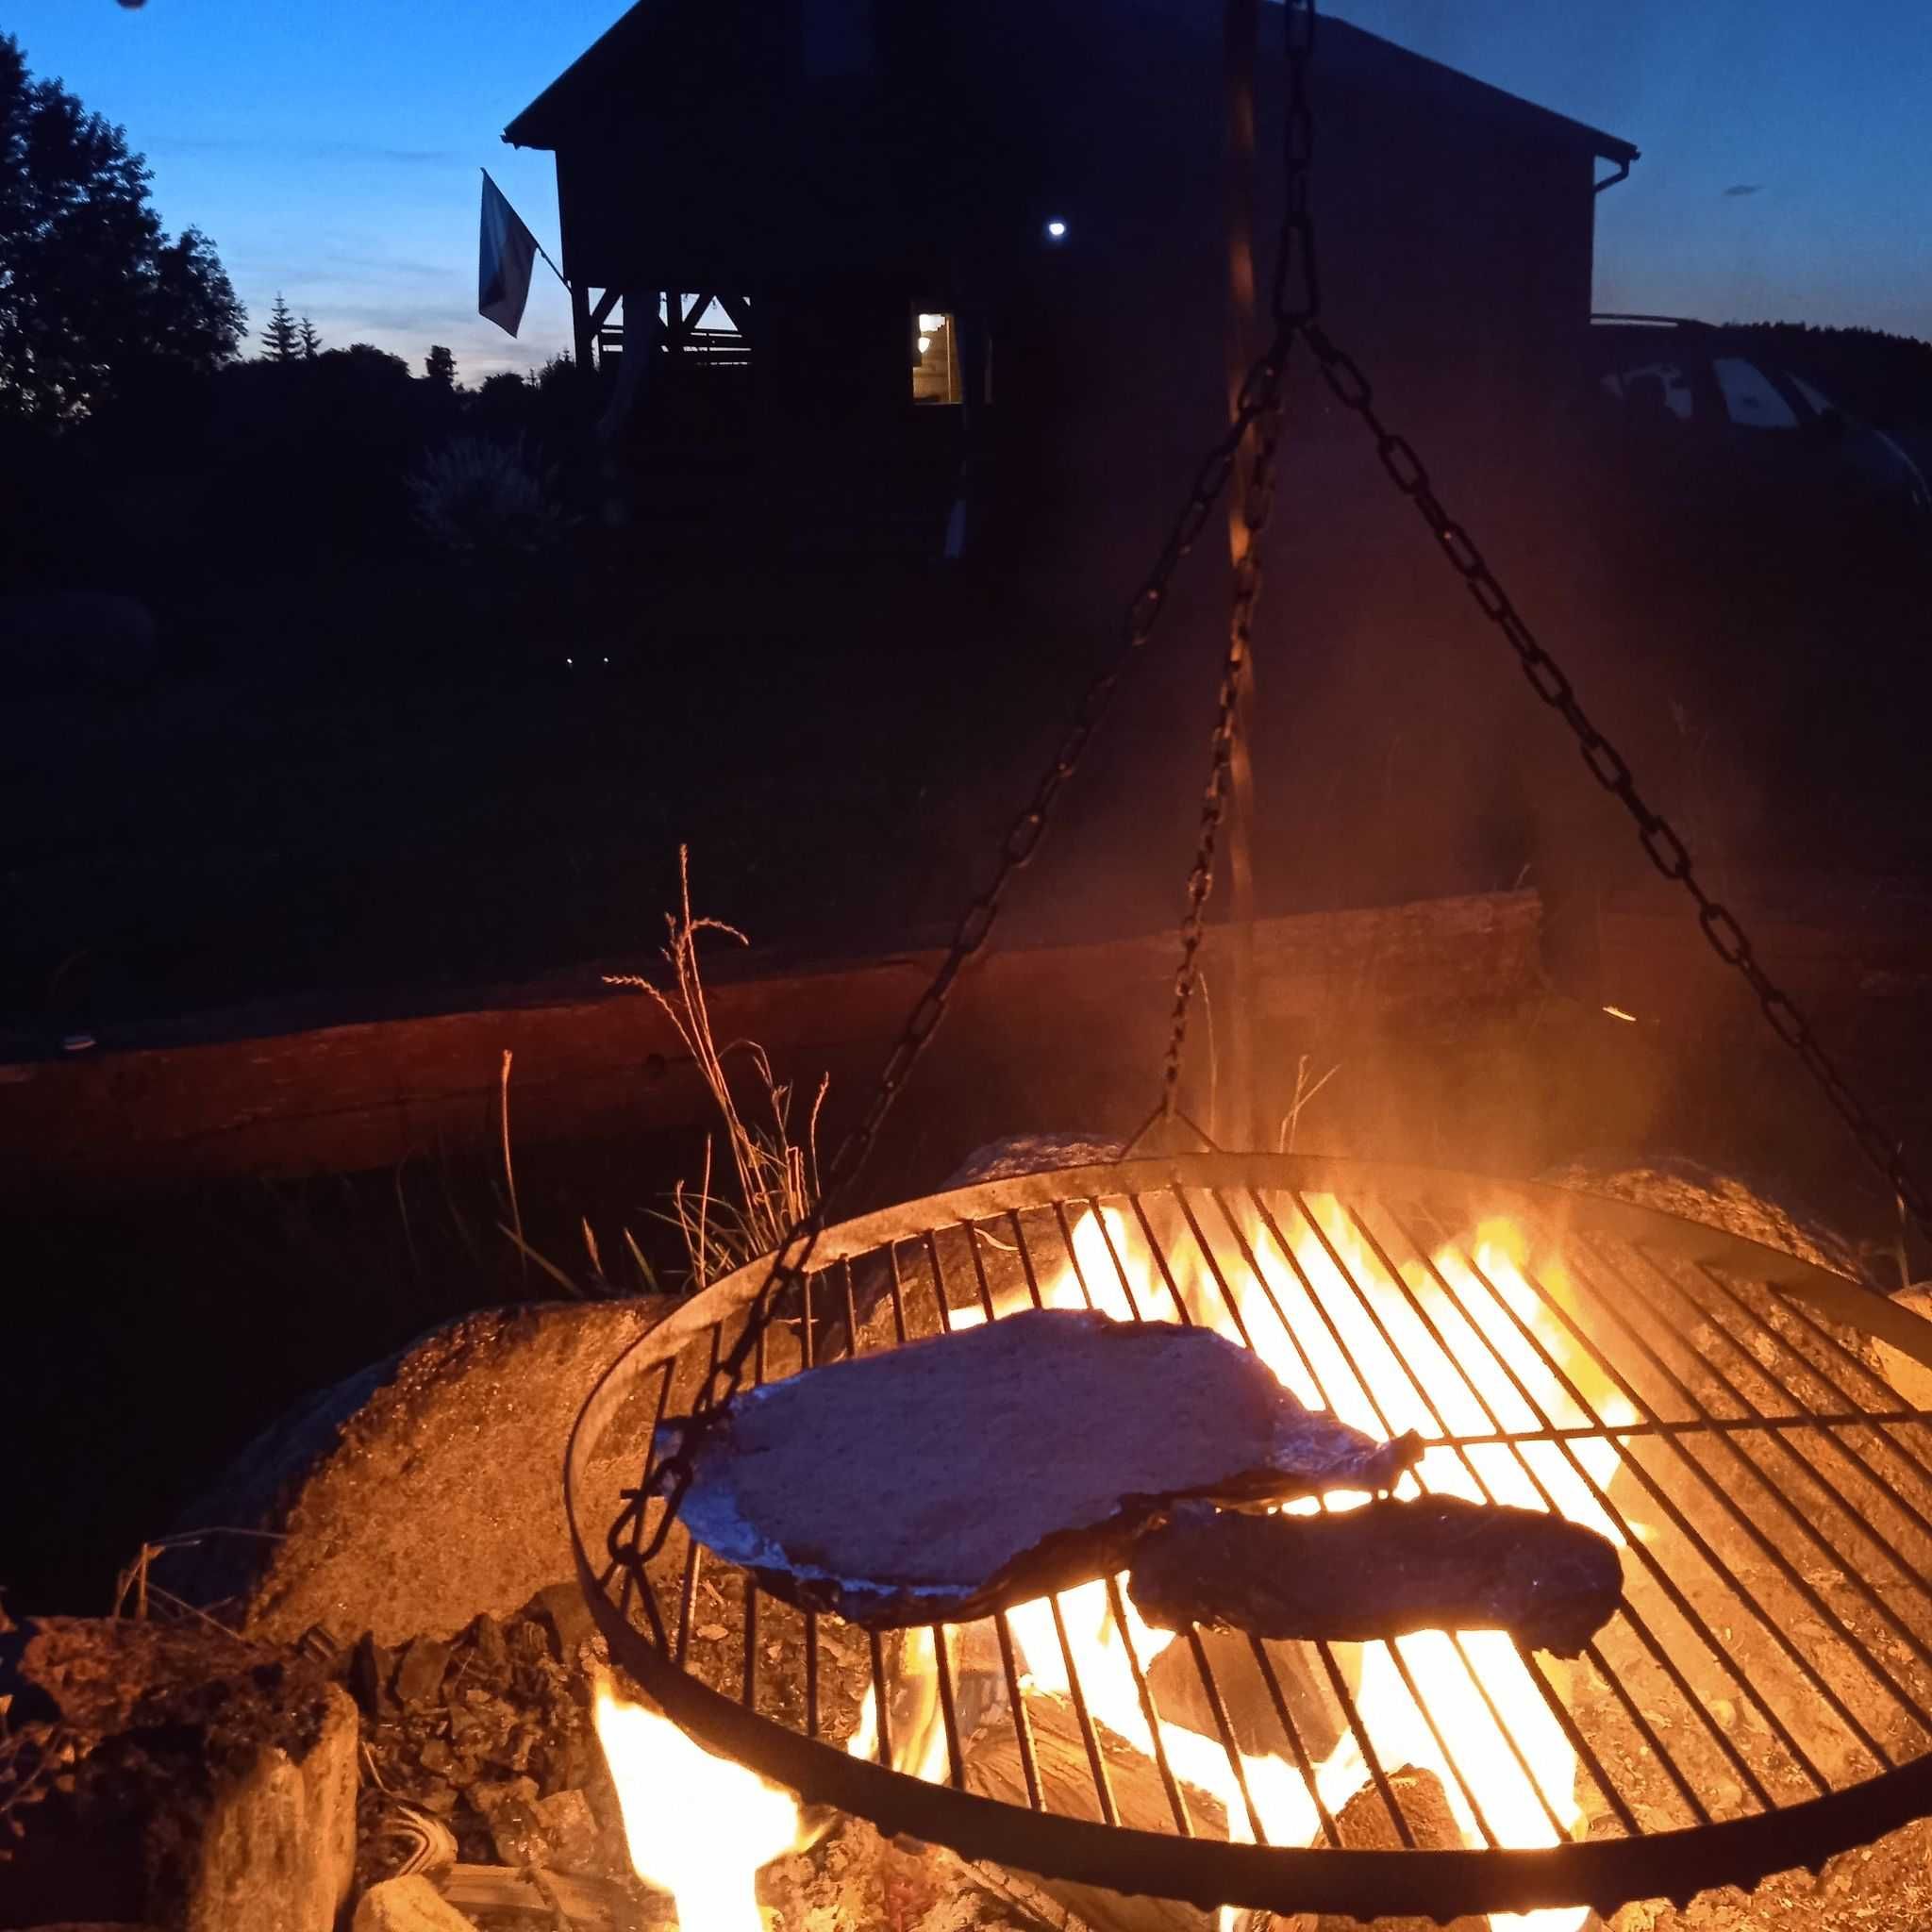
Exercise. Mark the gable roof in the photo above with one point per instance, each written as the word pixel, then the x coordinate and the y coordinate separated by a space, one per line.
pixel 606 71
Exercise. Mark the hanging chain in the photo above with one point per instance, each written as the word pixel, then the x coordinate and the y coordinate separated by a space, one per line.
pixel 1296 301
pixel 1297 313
pixel 1661 844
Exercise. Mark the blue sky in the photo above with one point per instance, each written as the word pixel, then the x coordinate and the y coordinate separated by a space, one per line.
pixel 331 149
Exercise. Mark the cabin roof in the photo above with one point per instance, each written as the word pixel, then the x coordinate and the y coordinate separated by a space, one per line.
pixel 602 71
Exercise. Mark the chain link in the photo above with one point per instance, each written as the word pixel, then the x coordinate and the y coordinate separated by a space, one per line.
pixel 1658 838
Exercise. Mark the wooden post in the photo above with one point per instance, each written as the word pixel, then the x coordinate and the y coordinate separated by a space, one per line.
pixel 1239 1124
pixel 581 330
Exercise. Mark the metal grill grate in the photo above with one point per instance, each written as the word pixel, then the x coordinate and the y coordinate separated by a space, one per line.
pixel 1761 1700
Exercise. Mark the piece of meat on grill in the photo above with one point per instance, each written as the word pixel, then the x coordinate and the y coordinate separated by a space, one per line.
pixel 948 1477
pixel 1385 1569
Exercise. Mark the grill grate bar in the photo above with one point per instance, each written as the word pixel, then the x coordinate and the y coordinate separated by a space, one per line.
pixel 1120 1270
pixel 949 1706
pixel 1072 1253
pixel 1833 1349
pixel 1292 1731
pixel 1698 1540
pixel 1182 1313
pixel 1338 1685
pixel 1506 1730
pixel 1588 1757
pixel 1853 1512
pixel 1210 1689
pixel 1783 1564
pixel 1533 1666
pixel 1653 1566
pixel 1176 1798
pixel 1639 1721
pixel 1016 1704
pixel 881 1698
pixel 1396 1657
pixel 1741 1676
pixel 1717 1426
pixel 1885 1486
pixel 1096 1760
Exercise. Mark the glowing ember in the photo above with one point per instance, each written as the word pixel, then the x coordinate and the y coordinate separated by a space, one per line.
pixel 697 1826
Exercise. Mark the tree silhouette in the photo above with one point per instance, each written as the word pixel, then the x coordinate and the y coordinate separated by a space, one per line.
pixel 93 294
pixel 439 365
pixel 311 339
pixel 281 340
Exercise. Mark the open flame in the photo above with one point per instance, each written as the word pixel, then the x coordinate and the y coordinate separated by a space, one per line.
pixel 1452 1346
pixel 697 1825
pixel 1435 1344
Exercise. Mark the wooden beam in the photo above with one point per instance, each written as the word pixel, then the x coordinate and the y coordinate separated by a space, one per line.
pixel 606 303
pixel 1032 1031
pixel 583 335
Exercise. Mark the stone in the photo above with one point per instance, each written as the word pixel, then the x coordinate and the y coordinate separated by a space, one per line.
pixel 409 1905
pixel 419 1676
pixel 516 1830
pixel 210 1784
pixel 428 1489
pixel 570 1831
pixel 1749 1207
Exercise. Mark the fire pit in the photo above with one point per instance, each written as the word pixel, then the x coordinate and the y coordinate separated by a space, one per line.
pixel 1762 1700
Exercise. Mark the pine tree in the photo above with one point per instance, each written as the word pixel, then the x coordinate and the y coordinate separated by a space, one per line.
pixel 311 338
pixel 439 365
pixel 281 341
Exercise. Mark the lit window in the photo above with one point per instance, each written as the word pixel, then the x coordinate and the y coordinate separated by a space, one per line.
pixel 935 359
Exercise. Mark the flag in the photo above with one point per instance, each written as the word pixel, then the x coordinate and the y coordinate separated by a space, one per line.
pixel 504 254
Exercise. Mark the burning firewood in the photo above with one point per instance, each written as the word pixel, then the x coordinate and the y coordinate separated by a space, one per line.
pixel 1064 1770
pixel 946 1479
pixel 1386 1570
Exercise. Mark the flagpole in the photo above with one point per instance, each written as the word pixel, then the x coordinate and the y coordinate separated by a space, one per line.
pixel 534 242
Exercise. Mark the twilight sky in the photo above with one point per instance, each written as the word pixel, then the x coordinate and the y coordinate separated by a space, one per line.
pixel 330 150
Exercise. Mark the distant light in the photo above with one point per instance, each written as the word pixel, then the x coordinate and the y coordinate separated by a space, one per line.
pixel 1056 230
pixel 570 660
pixel 924 343
pixel 1618 1013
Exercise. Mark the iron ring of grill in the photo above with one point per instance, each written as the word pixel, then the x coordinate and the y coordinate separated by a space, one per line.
pixel 1626 1273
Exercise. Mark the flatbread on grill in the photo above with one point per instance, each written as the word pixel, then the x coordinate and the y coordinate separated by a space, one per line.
pixel 1385 1569
pixel 951 1476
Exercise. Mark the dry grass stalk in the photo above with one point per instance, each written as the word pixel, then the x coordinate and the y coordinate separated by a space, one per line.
pixel 1305 1091
pixel 777 1178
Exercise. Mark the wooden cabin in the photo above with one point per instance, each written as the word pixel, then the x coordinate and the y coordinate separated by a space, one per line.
pixel 866 248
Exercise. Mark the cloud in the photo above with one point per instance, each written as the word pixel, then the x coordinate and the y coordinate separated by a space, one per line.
pixel 310 150
pixel 1744 188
